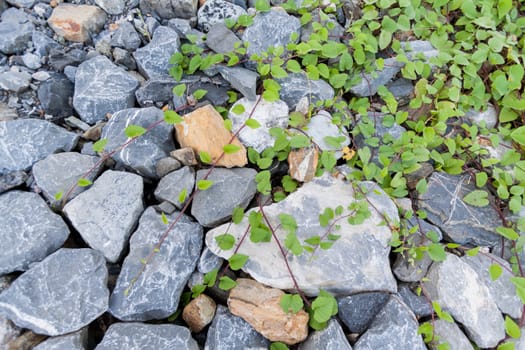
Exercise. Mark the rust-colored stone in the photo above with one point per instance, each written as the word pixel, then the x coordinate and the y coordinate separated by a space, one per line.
pixel 77 22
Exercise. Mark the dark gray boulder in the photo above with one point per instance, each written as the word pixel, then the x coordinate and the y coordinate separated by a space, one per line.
pixel 72 341
pixel 15 30
pixel 153 59
pixel 330 338
pixel 167 9
pixel 126 37
pixel 56 95
pixel 171 185
pixel 359 310
pixel 297 85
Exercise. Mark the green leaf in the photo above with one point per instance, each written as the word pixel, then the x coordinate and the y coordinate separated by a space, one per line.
pixel 172 117
pixel 495 271
pixel 164 218
pixel 293 66
pixel 238 109
pixel 504 6
pixel 59 195
pixel 508 233
pixel 293 244
pixel 338 80
pixel 288 183
pixel 291 303
pixel 511 328
pixel 436 252
pixel 477 198
pixel 225 241
pixel 279 346
pixel 197 290
pixel 278 72
pixel 263 182
pixel 182 195
pixel 328 160
pixel 83 182
pixel 226 283
pixel 99 145
pixel 481 179
pixel 200 93
pixel 324 307
pixel 204 184
pixel 252 124
pixel 205 157
pixel 518 135
pixel 179 90
pixel 262 5
pixel 264 163
pixel 229 148
pixel 237 261
pixel 134 131
pixel 299 141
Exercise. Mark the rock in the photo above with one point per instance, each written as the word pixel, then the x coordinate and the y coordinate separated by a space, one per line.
pixel 25 341
pixel 359 310
pixel 22 3
pixel 167 165
pixel 268 114
pixel 394 325
pixel 61 294
pixel 107 212
pixel 204 131
pixel 167 9
pixel 357 262
pixel 60 172
pixel 297 85
pixel 402 89
pixel 12 180
pixel 8 331
pixel 449 333
pixel 221 40
pixel 335 30
pixel 488 117
pixel 330 338
pixel 76 123
pixel 112 7
pixel 77 22
pixel 369 84
pixel 199 312
pixel 459 221
pixel 461 292
pixel 171 186
pixel 29 231
pixel 26 141
pixel 7 113
pixel 216 11
pixel 124 58
pixel 260 307
pixel 59 60
pixel 153 59
pixel 15 31
pixel 231 188
pixel 241 79
pixel 302 163
pixel 320 128
pixel 140 336
pixel 155 91
pixel 419 305
pixel 15 81
pixel 44 44
pixel 73 341
pixel 209 261
pixel 126 37
pixel 31 61
pixel 171 267
pixel 55 95
pixel 185 156
pixel 419 48
pixel 141 155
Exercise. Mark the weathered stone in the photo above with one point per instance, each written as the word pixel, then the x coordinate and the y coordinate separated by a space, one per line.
pixel 209 261
pixel 199 312
pixel 171 186
pixel 25 341
pixel 126 37
pixel 461 292
pixel 14 81
pixel 302 163
pixel 459 221
pixel 77 22
pixel 185 155
pixel 56 94
pixel 204 131
pixel 171 267
pixel 419 305
pixel 61 294
pixel 167 165
pixel 419 48
pixel 170 8
pixel 369 84
pixel 260 307
pixel 26 141
pixel 73 341
pixel 359 310
pixel 156 91
pixel 221 40
pixel 320 128
pixel 330 338
pixel 31 61
pixel 12 180
pixel 231 188
pixel 140 336
pixel 488 117
pixel 449 333
pixel 229 332
pixel 15 31
pixel 357 262
pixel 22 3
pixel 153 59
pixel 106 213
pixel 7 113
pixel 297 85
pixel 402 90
pixel 143 154
pixel 241 79
pixel 29 231
pixel 43 44
pixel 113 7
pixel 268 114
pixel 216 11
pixel 101 88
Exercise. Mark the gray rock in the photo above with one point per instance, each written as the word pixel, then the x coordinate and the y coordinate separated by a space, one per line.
pixel 70 72
pixel 231 188
pixel 41 75
pixel 461 292
pixel 268 114
pixel 167 165
pixel 73 341
pixel 156 291
pixel 419 48
pixel 29 231
pixel 222 40
pixel 153 59
pixel 167 9
pixel 14 81
pixel 140 336
pixel 449 333
pixel 12 180
pixel 76 123
pixel 7 113
pixel 15 30
pixel 357 262
pixel 143 153
pixel 124 58
pixel 3 6
pixel 60 172
pixel 26 141
pixel 171 185
pixel 106 213
pixel 330 338
pixel 216 11
pixel 55 95
pixel 59 59
pixel 320 127
pixel 459 221
pixel 229 332
pixel 209 261
pixel 43 44
pixel 488 117
pixel 394 325
pixel 335 33
pixel 62 294
pixel 22 3
pixel 241 79
pixel 112 7
pixel 102 87
pixel 359 310
pixel 369 84
pixel 402 90
pixel 156 91
pixel 419 305
pixel 297 85
pixel 126 37
pixel 31 61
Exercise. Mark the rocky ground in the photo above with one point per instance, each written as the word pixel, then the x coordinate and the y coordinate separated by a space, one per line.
pixel 73 73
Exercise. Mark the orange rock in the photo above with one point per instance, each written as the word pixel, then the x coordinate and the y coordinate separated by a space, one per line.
pixel 302 163
pixel 204 131
pixel 77 22
pixel 199 312
pixel 260 307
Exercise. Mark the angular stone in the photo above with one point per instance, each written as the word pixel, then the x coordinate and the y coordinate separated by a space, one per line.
pixel 101 88
pixel 167 9
pixel 26 141
pixel 297 85
pixel 140 336
pixel 167 165
pixel 22 3
pixel 359 310
pixel 419 305
pixel 153 59
pixel 155 91
pixel 335 32
pixel 107 212
pixel 171 186
pixel 126 37
pixel 241 79
pixel 143 154
pixel 488 117
pixel 209 261
pixel 77 22
pixel 461 292
pixel 419 48
pixel 199 312
pixel 185 156
pixel 14 81
pixel 15 30
pixel 59 59
pixel 44 44
pixel 113 7
pixel 320 127
pixel 231 188
pixel 12 180
pixel 221 39
pixel 29 231
pixel 216 11
pixel 7 113
pixel 260 307
pixel 369 84
pixel 31 61
pixel 330 338
pixel 56 95
pixel 204 131
pixel 394 325
pixel 61 294
pixel 170 268
pixel 302 163
pixel 357 262
pixel 459 221
pixel 60 172
pixel 402 90
pixel 268 114
pixel 73 341
pixel 449 333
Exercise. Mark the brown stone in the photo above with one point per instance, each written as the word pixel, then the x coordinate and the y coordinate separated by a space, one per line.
pixel 185 156
pixel 260 307
pixel 77 22
pixel 199 312
pixel 204 131
pixel 302 163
